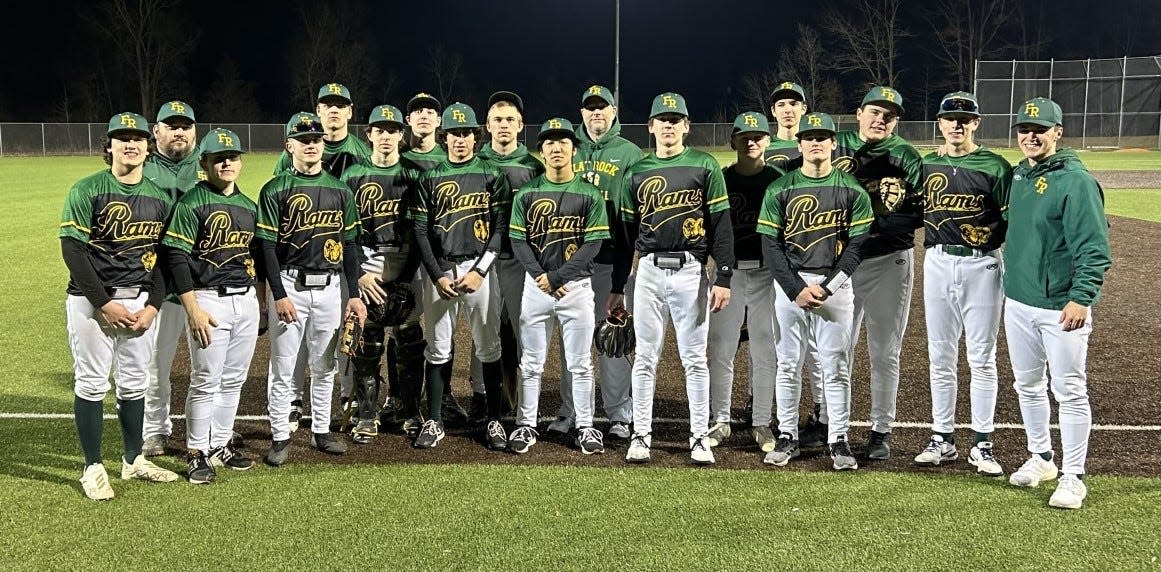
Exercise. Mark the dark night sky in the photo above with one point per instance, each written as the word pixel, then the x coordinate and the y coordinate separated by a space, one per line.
pixel 546 51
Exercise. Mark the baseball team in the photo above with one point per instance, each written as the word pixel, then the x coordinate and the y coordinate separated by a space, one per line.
pixel 802 240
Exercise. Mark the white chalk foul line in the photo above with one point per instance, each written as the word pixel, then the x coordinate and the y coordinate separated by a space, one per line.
pixel 660 420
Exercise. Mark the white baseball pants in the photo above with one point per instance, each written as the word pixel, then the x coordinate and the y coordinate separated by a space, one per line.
pixel 483 313
pixel 171 326
pixel 541 312
pixel 510 281
pixel 616 390
pixel 218 371
pixel 100 351
pixel 751 300
pixel 882 287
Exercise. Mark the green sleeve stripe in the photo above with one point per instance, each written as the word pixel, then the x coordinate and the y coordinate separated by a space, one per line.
pixel 73 224
pixel 179 236
pixel 598 235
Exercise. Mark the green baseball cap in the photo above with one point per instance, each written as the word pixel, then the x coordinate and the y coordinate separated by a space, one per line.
pixel 423 100
pixel 751 122
pixel 508 96
pixel 334 91
pixel 385 114
pixel 459 116
pixel 668 102
pixel 556 128
pixel 959 103
pixel 1039 111
pixel 816 122
pixel 128 122
pixel 304 124
pixel 598 91
pixel 881 94
pixel 221 141
pixel 175 108
pixel 788 90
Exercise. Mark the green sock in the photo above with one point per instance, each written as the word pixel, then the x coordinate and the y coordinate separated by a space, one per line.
pixel 982 437
pixel 131 414
pixel 1046 456
pixel 90 427
pixel 435 391
pixel 948 438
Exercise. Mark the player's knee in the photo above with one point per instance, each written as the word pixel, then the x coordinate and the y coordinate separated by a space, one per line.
pixel 91 391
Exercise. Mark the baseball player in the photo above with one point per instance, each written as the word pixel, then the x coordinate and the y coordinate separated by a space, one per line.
pixel 602 159
pixel 307 225
pixel 890 169
pixel 459 216
pixel 383 188
pixel 209 253
pixel 787 106
pixel 815 222
pixel 109 229
pixel 557 227
pixel 967 192
pixel 1055 261
pixel 505 123
pixel 676 213
pixel 752 287
pixel 174 168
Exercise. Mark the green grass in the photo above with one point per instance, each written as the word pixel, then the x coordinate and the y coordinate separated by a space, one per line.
pixel 485 517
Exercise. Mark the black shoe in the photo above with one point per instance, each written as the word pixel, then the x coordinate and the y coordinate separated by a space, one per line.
pixel 228 456
pixel 785 448
pixel 878 446
pixel 522 439
pixel 389 416
pixel 236 440
pixel 279 452
pixel 453 412
pixel 813 434
pixel 479 407
pixel 496 437
pixel 295 414
pixel 841 455
pixel 328 443
pixel 590 441
pixel 430 435
pixel 364 431
pixel 199 470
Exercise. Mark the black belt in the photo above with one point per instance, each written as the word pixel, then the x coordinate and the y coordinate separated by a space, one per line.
pixel 311 279
pixel 390 249
pixel 459 259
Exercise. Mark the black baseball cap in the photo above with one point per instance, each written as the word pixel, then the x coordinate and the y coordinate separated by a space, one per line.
pixel 423 100
pixel 507 96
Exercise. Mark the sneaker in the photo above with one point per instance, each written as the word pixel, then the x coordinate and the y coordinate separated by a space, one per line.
pixel 639 449
pixel 522 439
pixel 452 411
pixel 764 437
pixel 1070 492
pixel 840 453
pixel 236 440
pixel 198 468
pixel 229 456
pixel 143 469
pixel 700 452
pixel 590 441
pixel 429 435
pixel 295 414
pixel 937 451
pixel 154 445
pixel 412 426
pixel 328 443
pixel 95 482
pixel 478 408
pixel 878 446
pixel 279 452
pixel 364 431
pixel 619 430
pixel 1033 472
pixel 813 434
pixel 495 436
pixel 984 459
pixel 718 433
pixel 561 425
pixel 785 449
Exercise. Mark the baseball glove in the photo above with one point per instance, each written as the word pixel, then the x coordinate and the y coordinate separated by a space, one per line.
pixel 351 336
pixel 891 191
pixel 396 307
pixel 615 337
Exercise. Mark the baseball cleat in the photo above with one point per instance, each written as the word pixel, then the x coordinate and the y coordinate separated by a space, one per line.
pixel 364 431
pixel 718 433
pixel 700 452
pixel 813 434
pixel 639 449
pixel 95 482
pixel 495 436
pixel 522 439
pixel 785 448
pixel 279 453
pixel 1070 493
pixel 560 425
pixel 228 456
pixel 236 440
pixel 1033 472
pixel 328 443
pixel 878 446
pixel 452 411
pixel 764 437
pixel 937 451
pixel 840 453
pixel 590 441
pixel 984 459
pixel 429 435
pixel 198 468
pixel 295 414
pixel 392 409
pixel 143 469
pixel 154 445
pixel 412 426
pixel 619 430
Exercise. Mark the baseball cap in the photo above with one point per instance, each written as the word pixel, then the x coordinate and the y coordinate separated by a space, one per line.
pixel 175 108
pixel 751 122
pixel 459 116
pixel 506 96
pixel 334 91
pixel 598 91
pixel 788 90
pixel 128 122
pixel 555 128
pixel 1039 111
pixel 816 122
pixel 423 100
pixel 304 124
pixel 668 102
pixel 221 141
pixel 881 94
pixel 385 114
pixel 959 103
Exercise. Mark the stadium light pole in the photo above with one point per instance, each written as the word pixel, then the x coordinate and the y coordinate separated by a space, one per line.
pixel 617 56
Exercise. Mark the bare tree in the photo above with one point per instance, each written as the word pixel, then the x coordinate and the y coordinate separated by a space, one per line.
pixel 867 39
pixel 148 35
pixel 446 68
pixel 756 87
pixel 330 49
pixel 966 31
pixel 1032 35
pixel 231 98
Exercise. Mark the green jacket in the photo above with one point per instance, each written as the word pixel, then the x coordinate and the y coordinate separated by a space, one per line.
pixel 174 178
pixel 337 155
pixel 603 163
pixel 1058 237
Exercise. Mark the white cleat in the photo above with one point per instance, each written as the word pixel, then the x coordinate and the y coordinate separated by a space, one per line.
pixel 639 449
pixel 144 470
pixel 717 434
pixel 1033 472
pixel 1070 493
pixel 699 453
pixel 983 458
pixel 95 482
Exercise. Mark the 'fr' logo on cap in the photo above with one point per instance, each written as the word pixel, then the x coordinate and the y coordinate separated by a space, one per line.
pixel 225 139
pixel 786 85
pixel 669 101
pixel 814 121
pixel 751 121
pixel 1031 110
pixel 459 115
pixel 128 121
pixel 595 90
pixel 177 107
pixel 304 119
pixel 334 88
pixel 555 123
pixel 387 113
pixel 888 94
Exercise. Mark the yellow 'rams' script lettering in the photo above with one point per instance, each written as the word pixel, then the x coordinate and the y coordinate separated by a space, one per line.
pixel 543 220
pixel 115 222
pixel 803 215
pixel 220 234
pixel 300 215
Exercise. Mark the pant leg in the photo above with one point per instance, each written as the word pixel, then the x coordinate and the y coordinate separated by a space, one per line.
pixel 650 318
pixel 793 331
pixel 830 329
pixel 206 365
pixel 133 352
pixel 688 301
pixel 322 332
pixel 171 327
pixel 575 312
pixel 943 279
pixel 91 345
pixel 1067 354
pixel 536 322
pixel 286 339
pixel 883 296
pixel 1027 352
pixel 983 296
pixel 759 299
pixel 239 353
pixel 725 329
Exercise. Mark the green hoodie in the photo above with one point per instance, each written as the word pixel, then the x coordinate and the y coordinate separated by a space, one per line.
pixel 1058 236
pixel 603 163
pixel 174 177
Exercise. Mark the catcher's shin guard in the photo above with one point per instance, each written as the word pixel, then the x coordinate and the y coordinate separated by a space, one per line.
pixel 410 368
pixel 367 362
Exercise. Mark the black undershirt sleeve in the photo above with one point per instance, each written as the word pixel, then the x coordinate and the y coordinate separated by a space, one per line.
pixel 723 247
pixel 351 267
pixel 157 293
pixel 273 270
pixel 427 253
pixel 527 258
pixel 410 265
pixel 775 256
pixel 178 262
pixel 82 271
pixel 581 259
pixel 848 261
pixel 623 261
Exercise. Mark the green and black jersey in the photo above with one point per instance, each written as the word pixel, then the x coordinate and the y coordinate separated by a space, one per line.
pixel 783 154
pixel 747 193
pixel 426 161
pixel 815 218
pixel 383 196
pixel 174 177
pixel 338 156
pixel 603 163
pixel 556 219
pixel 119 224
pixel 308 217
pixel 460 211
pixel 965 199
pixel 898 211
pixel 217 232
